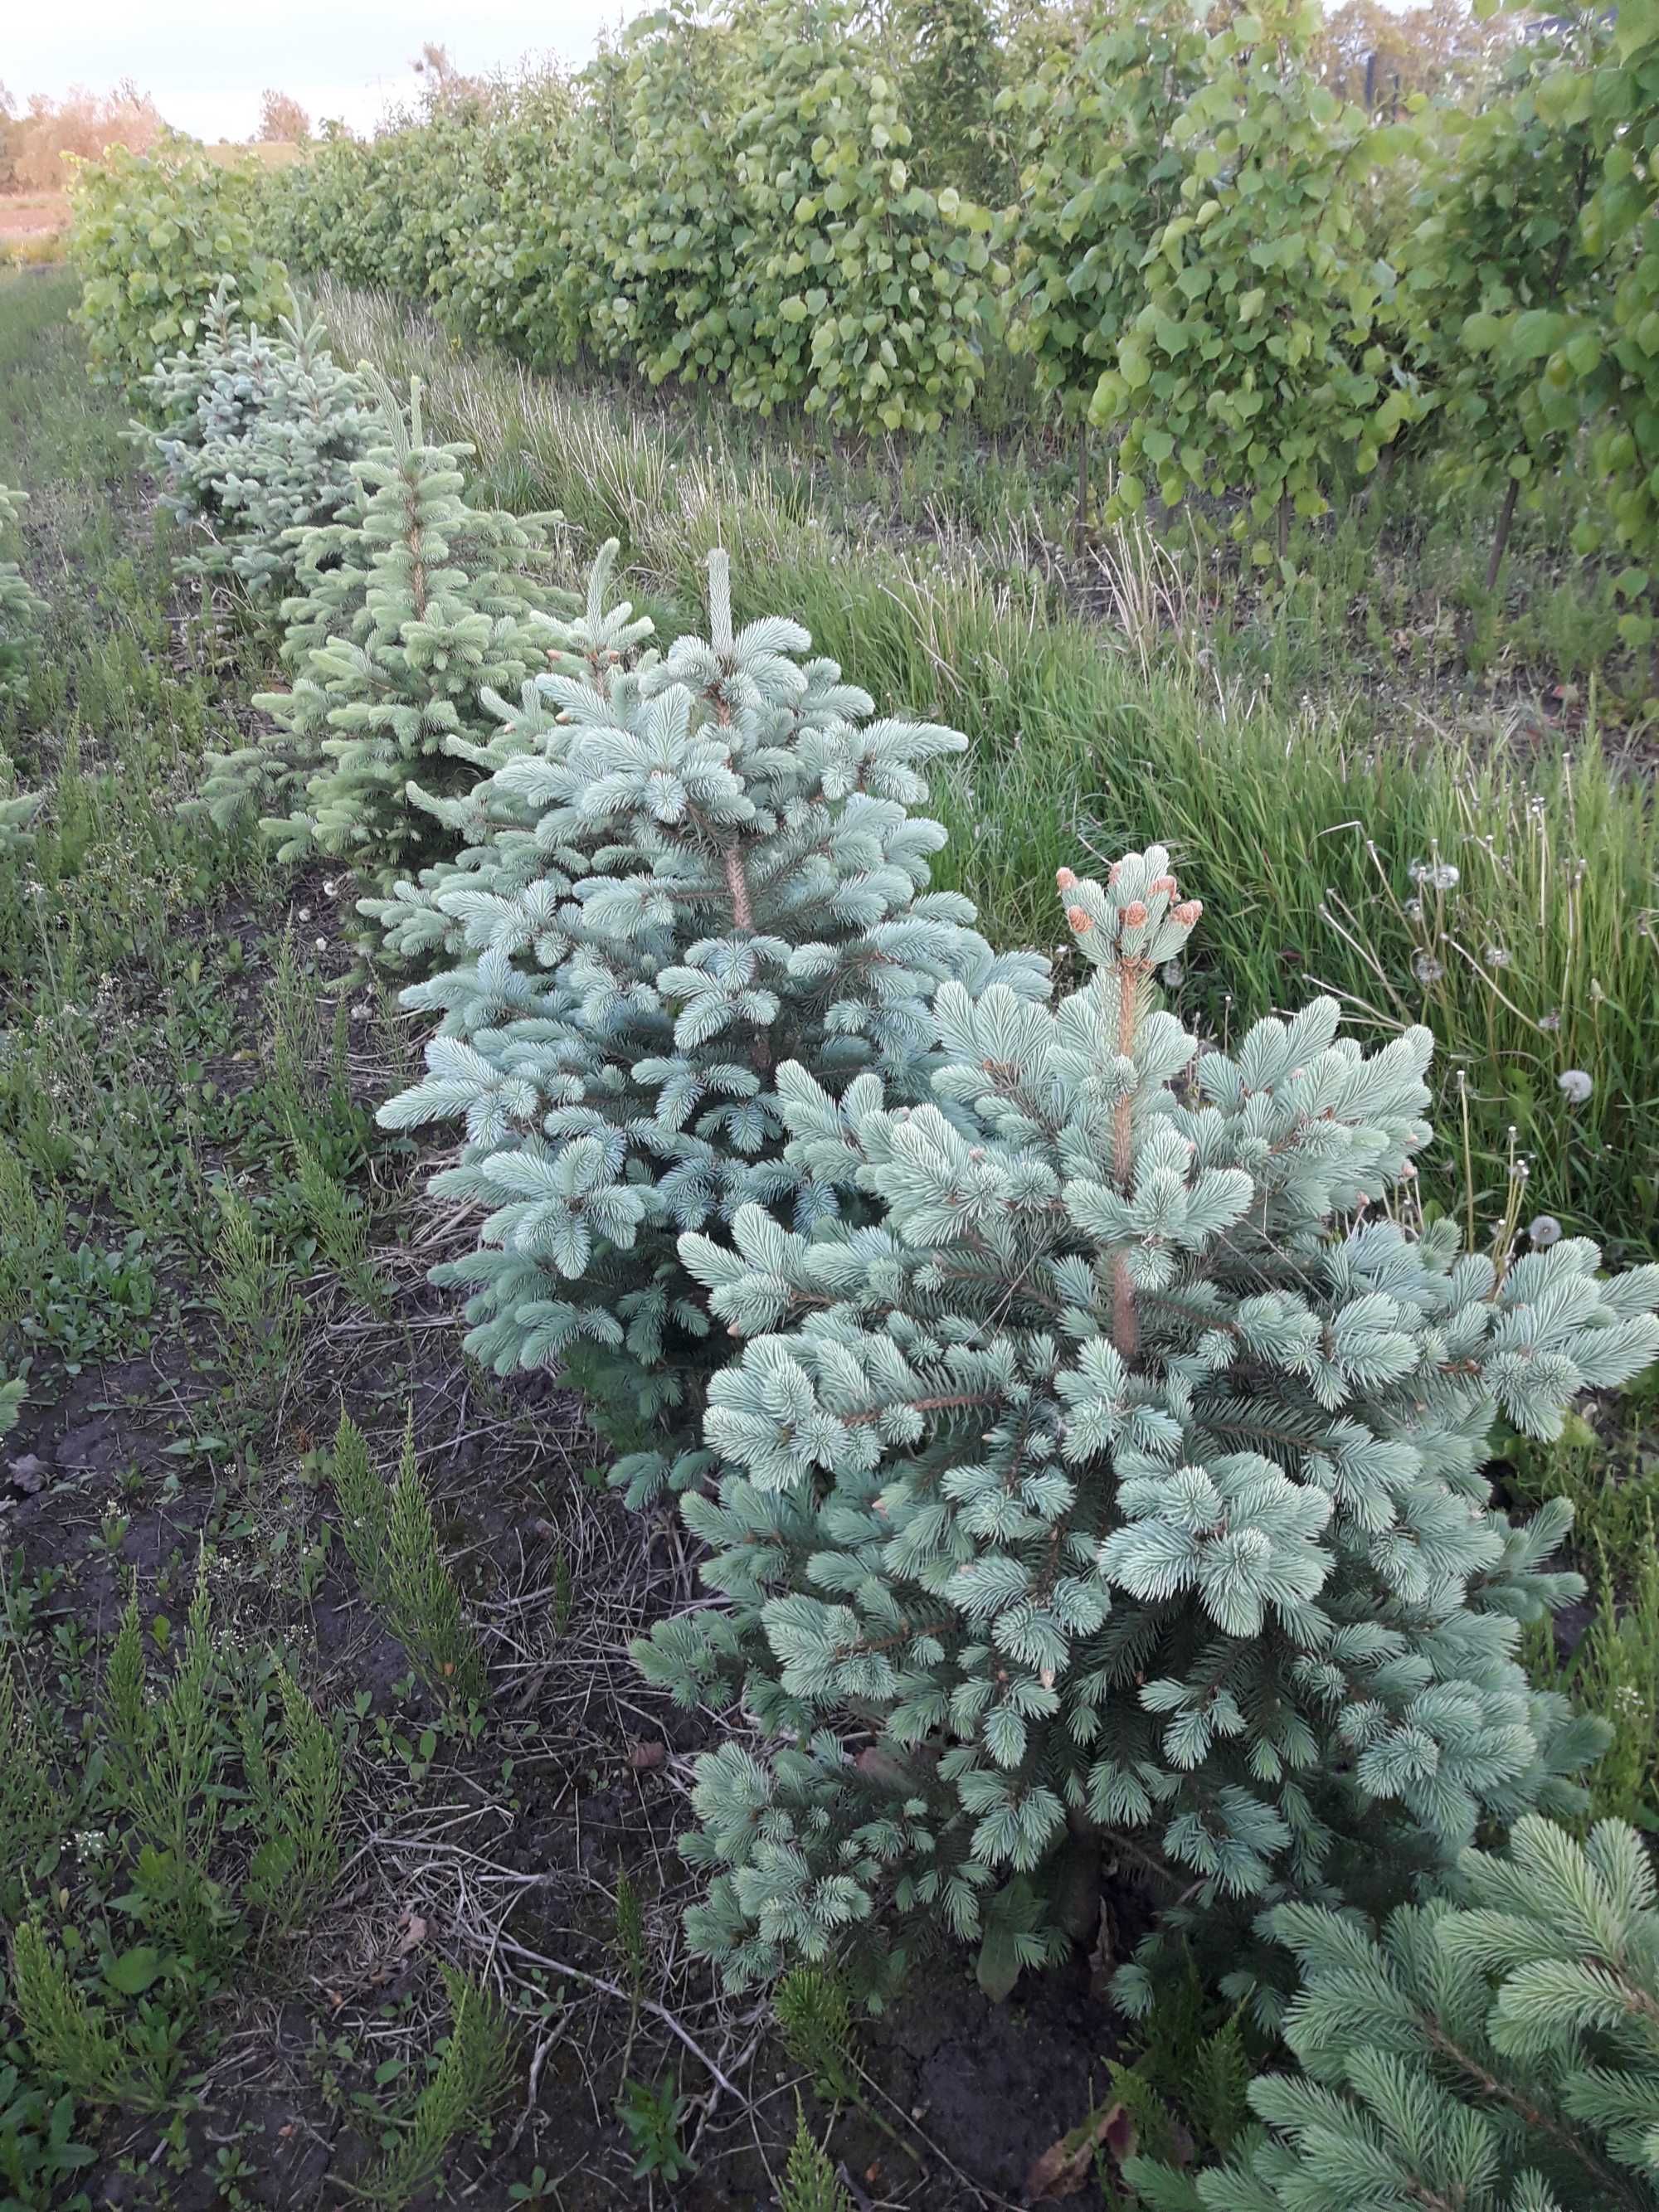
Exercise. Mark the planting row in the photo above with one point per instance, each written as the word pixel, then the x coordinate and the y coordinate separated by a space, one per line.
pixel 1098 1467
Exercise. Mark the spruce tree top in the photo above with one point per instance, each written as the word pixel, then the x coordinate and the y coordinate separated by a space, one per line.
pixel 1127 1476
pixel 685 869
pixel 21 609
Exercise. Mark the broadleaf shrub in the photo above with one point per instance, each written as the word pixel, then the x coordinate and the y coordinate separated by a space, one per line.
pixel 1099 177
pixel 731 198
pixel 864 296
pixel 1495 258
pixel 1123 1478
pixel 1613 347
pixel 1255 363
pixel 155 235
pixel 1208 242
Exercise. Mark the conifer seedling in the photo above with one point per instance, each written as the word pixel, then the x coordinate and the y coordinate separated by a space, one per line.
pixel 407 609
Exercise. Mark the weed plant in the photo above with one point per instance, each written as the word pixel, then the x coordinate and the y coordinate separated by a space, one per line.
pixel 393 1544
pixel 474 2070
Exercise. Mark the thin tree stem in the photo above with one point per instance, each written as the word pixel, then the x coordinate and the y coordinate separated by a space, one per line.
pixel 1500 537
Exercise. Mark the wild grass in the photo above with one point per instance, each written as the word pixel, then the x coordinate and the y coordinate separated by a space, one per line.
pixel 809 2180
pixel 1609 1471
pixel 252 1290
pixel 72 2038
pixel 1142 696
pixel 190 1191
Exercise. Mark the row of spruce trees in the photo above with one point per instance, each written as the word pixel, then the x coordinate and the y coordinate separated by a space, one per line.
pixel 1082 1430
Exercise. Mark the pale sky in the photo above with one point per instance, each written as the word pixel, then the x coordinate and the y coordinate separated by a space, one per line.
pixel 205 63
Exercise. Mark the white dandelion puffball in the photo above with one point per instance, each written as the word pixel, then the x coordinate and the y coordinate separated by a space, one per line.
pixel 1438 875
pixel 1544 1228
pixel 1574 1085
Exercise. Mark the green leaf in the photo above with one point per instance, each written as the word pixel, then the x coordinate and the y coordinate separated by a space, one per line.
pixel 1533 334
pixel 1390 141
pixel 133 1972
pixel 997 1968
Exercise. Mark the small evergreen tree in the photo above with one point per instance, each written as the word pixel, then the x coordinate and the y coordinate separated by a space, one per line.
pixel 1125 1478
pixel 22 613
pixel 1497 2050
pixel 257 440
pixel 409 606
pixel 18 810
pixel 683 871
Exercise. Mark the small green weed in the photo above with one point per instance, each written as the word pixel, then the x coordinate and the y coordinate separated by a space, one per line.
pixel 475 2066
pixel 393 1544
pixel 254 1295
pixel 809 2179
pixel 652 2116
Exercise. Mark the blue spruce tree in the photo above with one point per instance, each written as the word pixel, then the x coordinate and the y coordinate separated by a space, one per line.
pixel 1494 2050
pixel 256 438
pixel 678 871
pixel 1122 1483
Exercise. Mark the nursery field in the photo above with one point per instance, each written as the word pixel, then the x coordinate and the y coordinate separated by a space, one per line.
pixel 439 1962
pixel 339 1829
